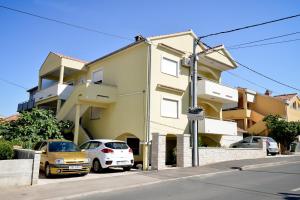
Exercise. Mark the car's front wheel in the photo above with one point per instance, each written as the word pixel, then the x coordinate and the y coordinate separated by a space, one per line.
pixel 97 166
pixel 47 171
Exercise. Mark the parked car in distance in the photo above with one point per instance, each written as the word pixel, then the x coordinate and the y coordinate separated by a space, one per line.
pixel 60 157
pixel 255 142
pixel 295 147
pixel 108 153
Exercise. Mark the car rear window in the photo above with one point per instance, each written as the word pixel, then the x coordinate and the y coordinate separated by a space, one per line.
pixel 63 147
pixel 116 145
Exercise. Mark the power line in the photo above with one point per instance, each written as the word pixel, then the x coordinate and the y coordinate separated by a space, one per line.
pixel 12 83
pixel 254 71
pixel 251 82
pixel 249 26
pixel 263 44
pixel 261 40
pixel 67 23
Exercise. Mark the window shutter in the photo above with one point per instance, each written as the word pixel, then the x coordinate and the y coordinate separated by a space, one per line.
pixel 169 67
pixel 169 108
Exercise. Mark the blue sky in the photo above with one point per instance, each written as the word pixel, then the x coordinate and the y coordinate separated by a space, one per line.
pixel 25 41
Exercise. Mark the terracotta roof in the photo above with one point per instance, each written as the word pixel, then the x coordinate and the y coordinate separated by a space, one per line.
pixel 285 96
pixel 68 57
pixel 11 118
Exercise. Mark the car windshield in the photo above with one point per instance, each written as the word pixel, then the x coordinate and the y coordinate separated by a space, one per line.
pixel 116 145
pixel 271 140
pixel 62 147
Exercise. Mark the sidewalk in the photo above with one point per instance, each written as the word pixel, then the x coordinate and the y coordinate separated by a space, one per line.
pixel 71 189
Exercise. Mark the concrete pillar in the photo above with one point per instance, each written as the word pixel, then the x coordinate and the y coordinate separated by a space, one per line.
pixel 36 167
pixel 245 123
pixel 77 119
pixel 61 75
pixel 184 151
pixel 145 156
pixel 40 83
pixel 158 156
pixel 58 105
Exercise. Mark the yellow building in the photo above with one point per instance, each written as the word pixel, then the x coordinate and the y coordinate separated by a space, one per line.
pixel 140 89
pixel 252 107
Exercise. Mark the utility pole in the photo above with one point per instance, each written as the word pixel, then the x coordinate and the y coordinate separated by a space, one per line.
pixel 194 103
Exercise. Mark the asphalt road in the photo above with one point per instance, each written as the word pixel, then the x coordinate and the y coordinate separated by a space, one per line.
pixel 277 182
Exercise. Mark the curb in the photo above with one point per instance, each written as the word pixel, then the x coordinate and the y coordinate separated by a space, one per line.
pixel 271 164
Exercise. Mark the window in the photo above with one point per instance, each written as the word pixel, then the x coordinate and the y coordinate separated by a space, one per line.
pixel 116 145
pixel 97 76
pixel 134 144
pixel 169 67
pixel 85 145
pixel 94 145
pixel 256 140
pixel 95 113
pixel 169 108
pixel 295 105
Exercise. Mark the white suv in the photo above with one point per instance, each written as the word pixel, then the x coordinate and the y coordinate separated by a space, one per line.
pixel 108 153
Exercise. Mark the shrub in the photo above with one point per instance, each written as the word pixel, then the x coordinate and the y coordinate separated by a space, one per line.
pixel 6 150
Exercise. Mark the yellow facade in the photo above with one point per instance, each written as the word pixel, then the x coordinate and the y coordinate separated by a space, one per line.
pixel 127 103
pixel 250 115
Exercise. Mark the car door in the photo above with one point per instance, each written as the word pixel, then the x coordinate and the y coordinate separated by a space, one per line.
pixel 255 142
pixel 44 155
pixel 93 149
pixel 246 142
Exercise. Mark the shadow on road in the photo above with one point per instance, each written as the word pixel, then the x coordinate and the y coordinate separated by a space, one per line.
pixel 290 196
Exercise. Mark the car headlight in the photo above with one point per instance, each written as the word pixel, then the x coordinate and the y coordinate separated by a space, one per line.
pixel 59 161
pixel 87 160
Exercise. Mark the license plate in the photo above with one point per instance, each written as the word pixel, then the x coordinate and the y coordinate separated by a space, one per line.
pixel 122 162
pixel 75 167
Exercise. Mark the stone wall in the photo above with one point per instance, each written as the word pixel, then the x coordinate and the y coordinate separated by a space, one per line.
pixel 24 170
pixel 213 155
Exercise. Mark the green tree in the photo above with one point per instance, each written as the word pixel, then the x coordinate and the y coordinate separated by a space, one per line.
pixel 282 131
pixel 33 126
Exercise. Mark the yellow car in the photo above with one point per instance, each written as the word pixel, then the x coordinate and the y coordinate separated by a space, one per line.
pixel 61 157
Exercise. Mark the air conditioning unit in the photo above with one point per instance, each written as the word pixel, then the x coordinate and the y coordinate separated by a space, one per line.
pixel 186 62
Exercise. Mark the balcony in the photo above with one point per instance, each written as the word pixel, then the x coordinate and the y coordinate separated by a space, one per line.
pixel 215 126
pixel 62 91
pixel 213 91
pixel 27 105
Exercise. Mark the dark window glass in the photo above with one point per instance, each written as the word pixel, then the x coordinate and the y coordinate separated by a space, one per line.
pixel 116 145
pixel 62 147
pixel 37 146
pixel 85 146
pixel 94 145
pixel 134 144
pixel 256 140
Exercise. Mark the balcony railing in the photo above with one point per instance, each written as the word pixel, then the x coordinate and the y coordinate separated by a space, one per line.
pixel 27 105
pixel 216 92
pixel 62 91
pixel 214 126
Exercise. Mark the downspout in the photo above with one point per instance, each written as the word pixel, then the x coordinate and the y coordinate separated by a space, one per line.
pixel 148 98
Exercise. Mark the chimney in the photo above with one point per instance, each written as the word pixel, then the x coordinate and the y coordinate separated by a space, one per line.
pixel 139 38
pixel 268 92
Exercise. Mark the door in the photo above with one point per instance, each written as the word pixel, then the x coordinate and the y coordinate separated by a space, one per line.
pixel 256 141
pixel 44 155
pixel 93 151
pixel 246 142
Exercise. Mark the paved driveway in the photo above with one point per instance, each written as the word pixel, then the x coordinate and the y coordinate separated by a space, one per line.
pixel 70 178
